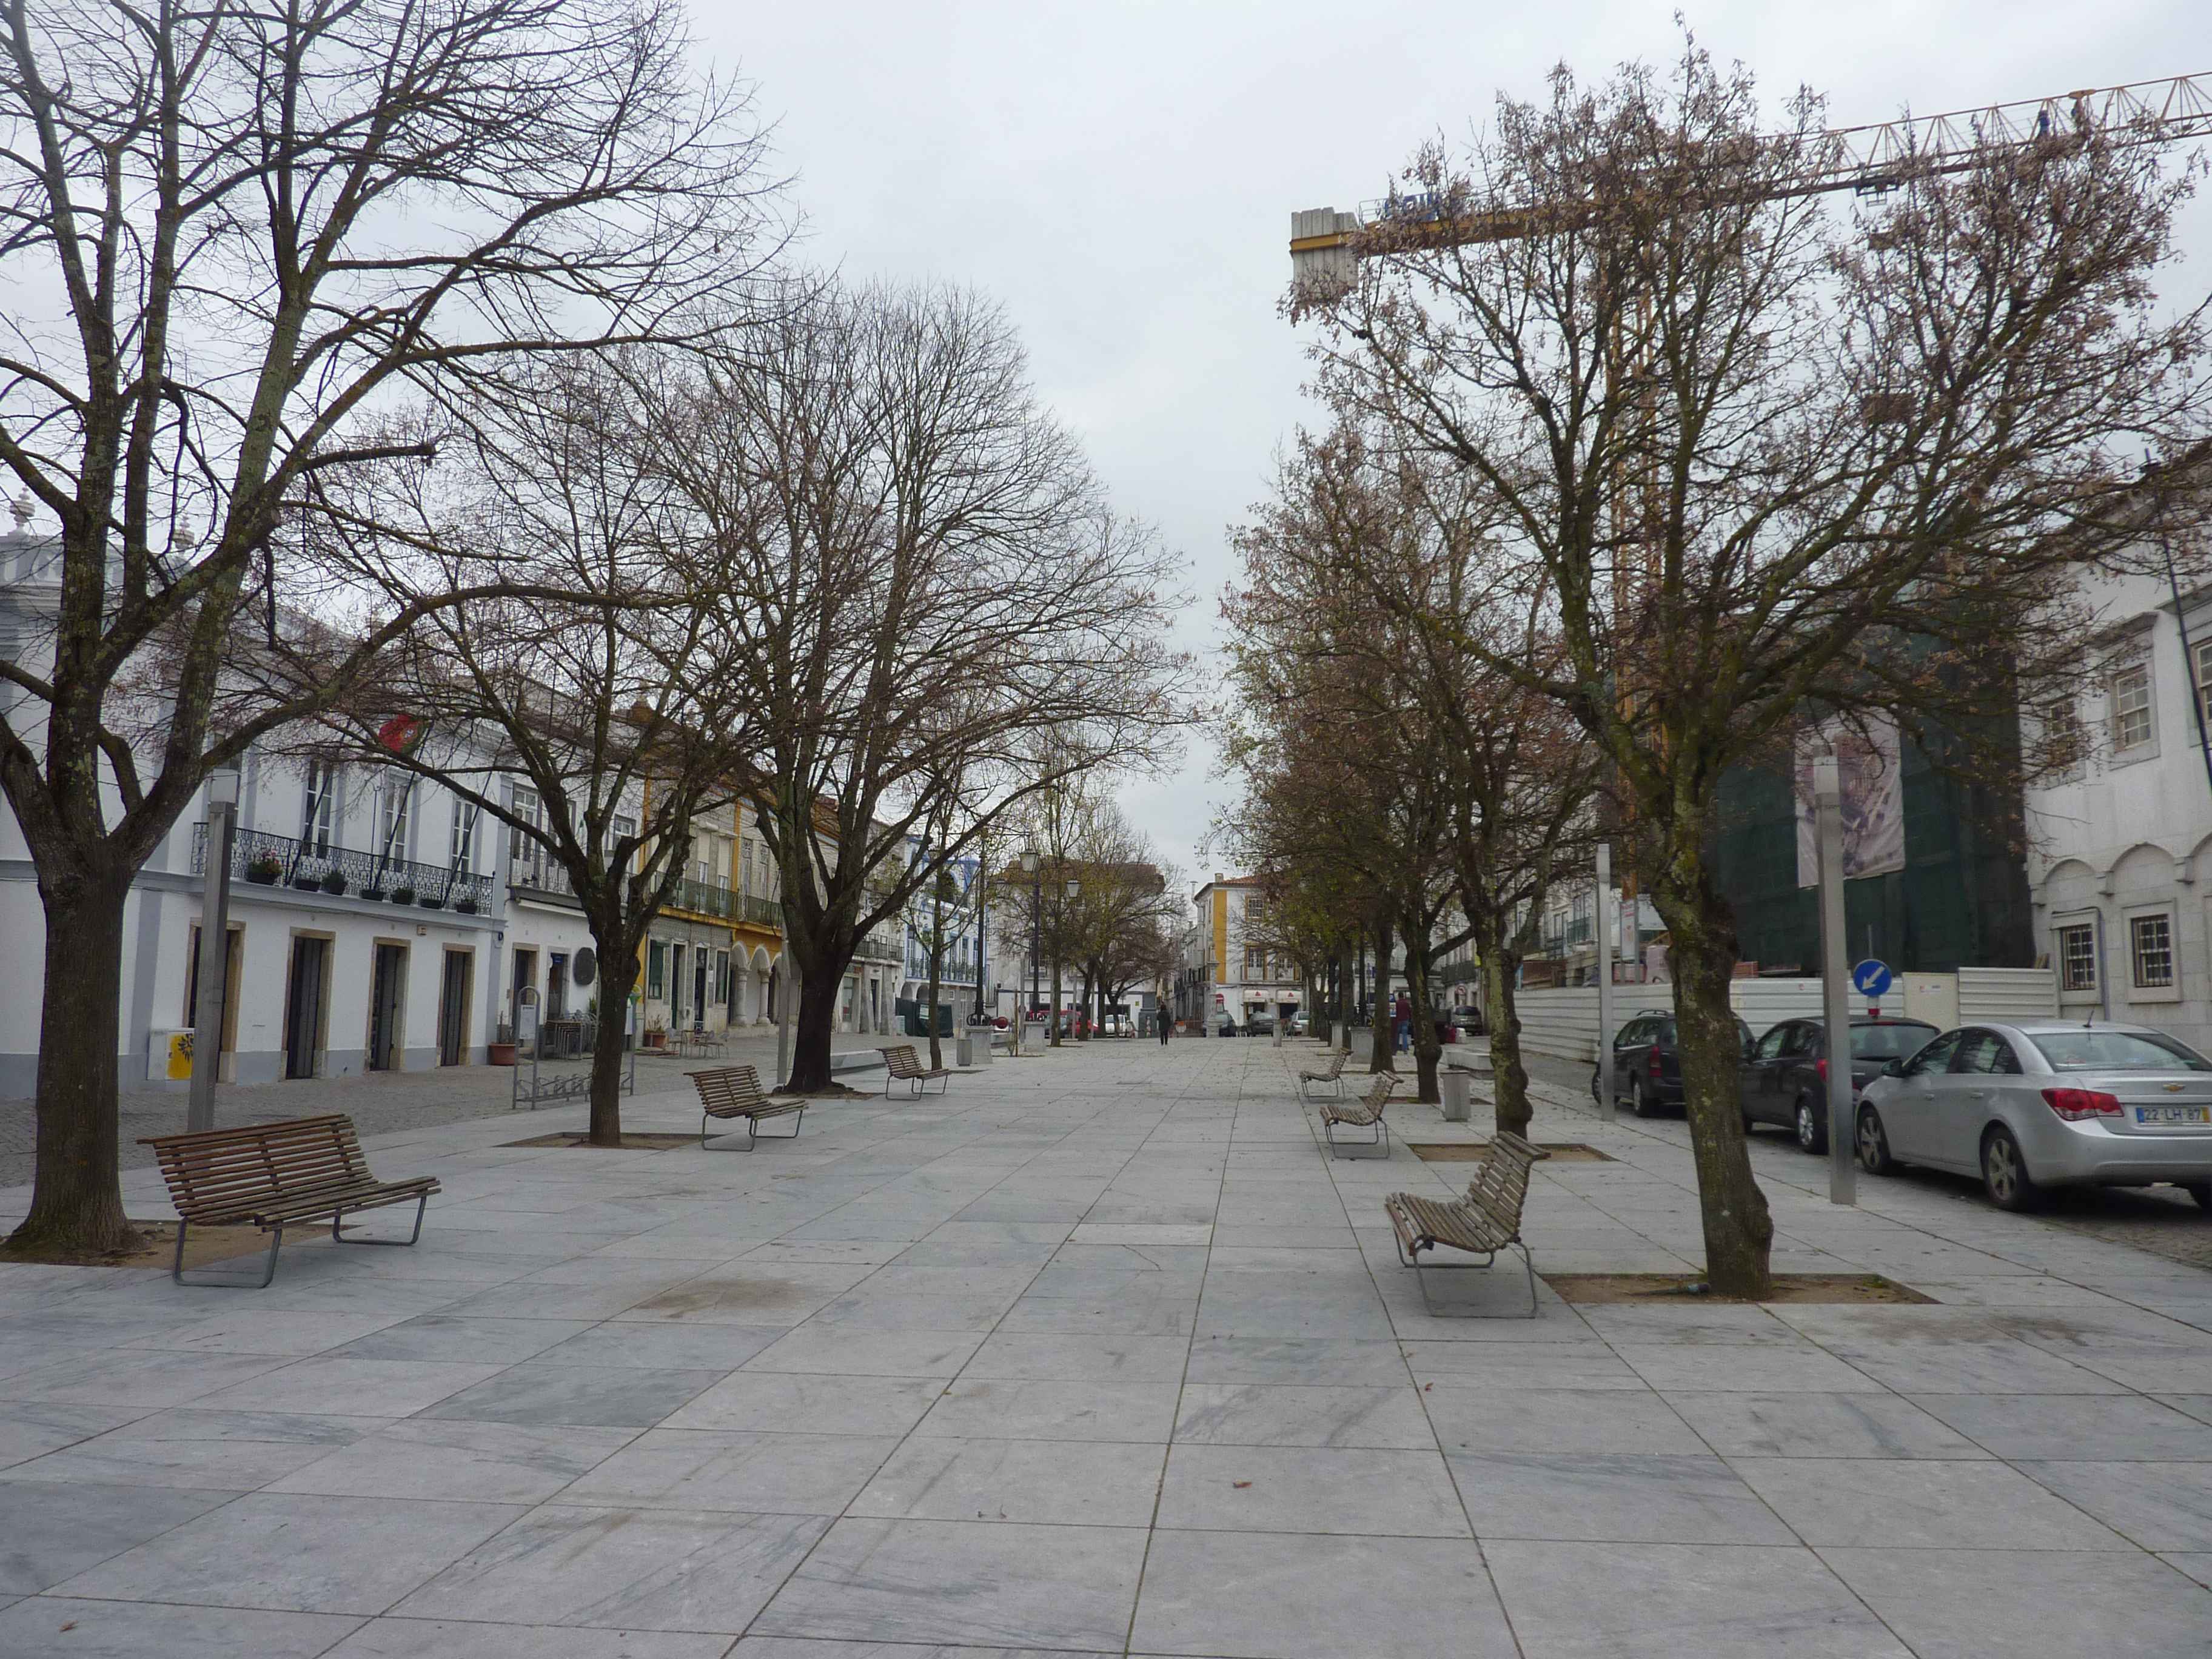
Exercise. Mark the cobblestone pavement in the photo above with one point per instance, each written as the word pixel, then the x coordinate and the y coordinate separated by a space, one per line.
pixel 1102 1353
pixel 2161 1220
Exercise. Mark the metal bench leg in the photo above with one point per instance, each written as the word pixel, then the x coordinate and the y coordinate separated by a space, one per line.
pixel 232 1281
pixel 420 1205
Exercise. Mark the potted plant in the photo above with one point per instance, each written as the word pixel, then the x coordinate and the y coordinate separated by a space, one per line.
pixel 432 901
pixel 500 1051
pixel 402 895
pixel 262 869
pixel 306 882
pixel 334 881
pixel 656 1034
pixel 467 907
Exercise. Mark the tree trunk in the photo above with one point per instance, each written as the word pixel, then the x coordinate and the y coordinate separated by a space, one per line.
pixel 817 1017
pixel 618 977
pixel 1382 1030
pixel 76 1200
pixel 1428 1047
pixel 1738 1232
pixel 1342 1011
pixel 1509 1072
pixel 929 1008
pixel 1052 1031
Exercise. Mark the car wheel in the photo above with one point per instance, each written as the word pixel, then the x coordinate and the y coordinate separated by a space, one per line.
pixel 1811 1127
pixel 1640 1103
pixel 2004 1172
pixel 1874 1143
pixel 2201 1192
pixel 1597 1094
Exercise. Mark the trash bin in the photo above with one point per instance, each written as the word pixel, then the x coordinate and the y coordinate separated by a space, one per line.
pixel 963 1050
pixel 1457 1089
pixel 976 1048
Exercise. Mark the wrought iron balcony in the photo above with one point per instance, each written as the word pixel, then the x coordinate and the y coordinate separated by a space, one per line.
pixel 702 898
pixel 266 861
pixel 768 912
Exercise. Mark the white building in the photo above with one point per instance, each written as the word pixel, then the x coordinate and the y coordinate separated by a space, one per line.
pixel 1239 973
pixel 2120 849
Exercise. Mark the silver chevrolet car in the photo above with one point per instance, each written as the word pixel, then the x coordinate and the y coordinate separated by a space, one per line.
pixel 2044 1104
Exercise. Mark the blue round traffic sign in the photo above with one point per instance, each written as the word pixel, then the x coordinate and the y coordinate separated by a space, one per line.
pixel 1871 977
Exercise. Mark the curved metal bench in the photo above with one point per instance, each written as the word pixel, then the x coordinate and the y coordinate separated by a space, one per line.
pixel 1363 1112
pixel 735 1091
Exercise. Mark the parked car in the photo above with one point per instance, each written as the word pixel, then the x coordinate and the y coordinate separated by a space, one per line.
pixel 1468 1019
pixel 1647 1065
pixel 1785 1073
pixel 1298 1025
pixel 1223 1023
pixel 2045 1103
pixel 1259 1025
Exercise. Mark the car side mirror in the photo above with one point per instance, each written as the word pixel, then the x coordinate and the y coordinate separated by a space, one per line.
pixel 1751 1048
pixel 1892 1068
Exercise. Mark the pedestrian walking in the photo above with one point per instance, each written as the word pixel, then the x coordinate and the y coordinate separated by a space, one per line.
pixel 1405 1016
pixel 1162 1021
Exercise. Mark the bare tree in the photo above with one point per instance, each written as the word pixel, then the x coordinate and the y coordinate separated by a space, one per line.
pixel 594 711
pixel 257 224
pixel 924 571
pixel 1760 456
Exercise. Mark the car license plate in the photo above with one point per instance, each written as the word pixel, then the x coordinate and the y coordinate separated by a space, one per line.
pixel 2174 1113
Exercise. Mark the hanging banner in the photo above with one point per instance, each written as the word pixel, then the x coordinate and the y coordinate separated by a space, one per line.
pixel 1872 776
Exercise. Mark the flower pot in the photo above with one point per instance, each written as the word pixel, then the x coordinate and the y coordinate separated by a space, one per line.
pixel 263 878
pixel 500 1053
pixel 308 884
pixel 466 906
pixel 402 895
pixel 334 882
pixel 429 902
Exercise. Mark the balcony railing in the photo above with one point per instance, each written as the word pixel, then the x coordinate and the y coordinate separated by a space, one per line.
pixel 702 898
pixel 768 912
pixel 883 946
pixel 536 874
pixel 266 861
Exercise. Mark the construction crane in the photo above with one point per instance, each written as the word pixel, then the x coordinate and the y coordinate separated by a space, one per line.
pixel 1326 245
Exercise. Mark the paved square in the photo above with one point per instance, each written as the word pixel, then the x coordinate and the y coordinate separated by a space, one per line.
pixel 1099 1354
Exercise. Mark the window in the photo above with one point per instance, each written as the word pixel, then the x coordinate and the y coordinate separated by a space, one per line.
pixel 2150 947
pixel 395 790
pixel 2131 718
pixel 1985 1052
pixel 656 970
pixel 464 835
pixel 2090 1050
pixel 525 852
pixel 2200 651
pixel 1935 1057
pixel 2077 958
pixel 322 786
pixel 1770 1046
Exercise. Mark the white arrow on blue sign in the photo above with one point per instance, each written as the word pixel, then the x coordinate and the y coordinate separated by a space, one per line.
pixel 1871 977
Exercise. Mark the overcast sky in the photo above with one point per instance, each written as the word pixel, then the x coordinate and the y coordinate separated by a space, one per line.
pixel 1122 176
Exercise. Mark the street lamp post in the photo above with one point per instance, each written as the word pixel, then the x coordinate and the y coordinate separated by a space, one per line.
pixel 212 984
pixel 1058 915
pixel 1030 862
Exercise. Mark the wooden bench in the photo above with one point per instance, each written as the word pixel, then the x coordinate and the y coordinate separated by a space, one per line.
pixel 1484 1223
pixel 1363 1112
pixel 735 1091
pixel 271 1175
pixel 1332 1072
pixel 903 1065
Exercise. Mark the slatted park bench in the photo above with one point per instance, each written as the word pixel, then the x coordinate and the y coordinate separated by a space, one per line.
pixel 730 1092
pixel 1363 1112
pixel 272 1176
pixel 1484 1223
pixel 903 1065
pixel 1332 1073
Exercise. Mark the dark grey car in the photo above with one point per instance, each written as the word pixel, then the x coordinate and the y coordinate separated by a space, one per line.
pixel 1785 1073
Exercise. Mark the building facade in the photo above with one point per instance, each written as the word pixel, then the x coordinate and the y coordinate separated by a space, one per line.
pixel 1238 973
pixel 2120 846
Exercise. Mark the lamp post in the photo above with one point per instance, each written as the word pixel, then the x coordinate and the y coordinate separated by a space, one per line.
pixel 1058 913
pixel 1030 862
pixel 212 982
